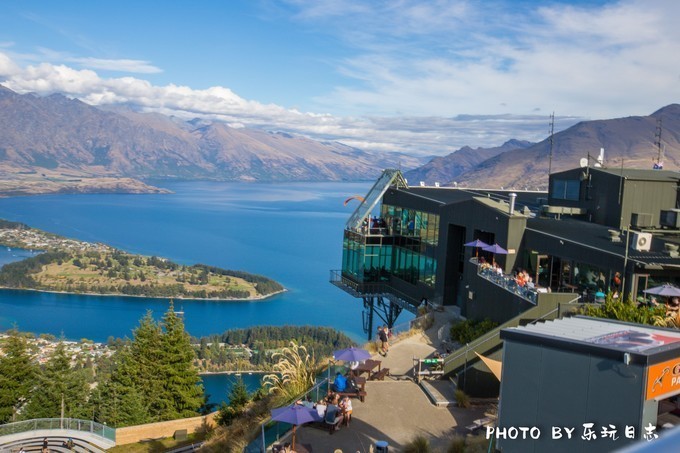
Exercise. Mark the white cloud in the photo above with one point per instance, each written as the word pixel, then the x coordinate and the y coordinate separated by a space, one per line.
pixel 446 57
pixel 419 66
pixel 120 65
pixel 425 135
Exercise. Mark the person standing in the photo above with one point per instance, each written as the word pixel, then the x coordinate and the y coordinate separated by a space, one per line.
pixel 383 333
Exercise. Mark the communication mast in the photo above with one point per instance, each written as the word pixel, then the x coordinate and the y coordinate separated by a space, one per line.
pixel 552 129
pixel 658 162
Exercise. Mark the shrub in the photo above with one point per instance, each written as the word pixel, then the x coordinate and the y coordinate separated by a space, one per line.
pixel 462 399
pixel 457 445
pixel 419 444
pixel 466 331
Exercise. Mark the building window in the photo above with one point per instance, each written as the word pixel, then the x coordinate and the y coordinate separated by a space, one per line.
pixel 566 189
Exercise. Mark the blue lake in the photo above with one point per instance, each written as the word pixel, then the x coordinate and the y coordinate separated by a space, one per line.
pixel 289 232
pixel 218 386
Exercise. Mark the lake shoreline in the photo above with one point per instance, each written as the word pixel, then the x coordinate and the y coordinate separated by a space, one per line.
pixel 212 373
pixel 213 299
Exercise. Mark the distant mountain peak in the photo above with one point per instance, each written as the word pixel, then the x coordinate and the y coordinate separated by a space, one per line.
pixel 671 109
pixel 66 135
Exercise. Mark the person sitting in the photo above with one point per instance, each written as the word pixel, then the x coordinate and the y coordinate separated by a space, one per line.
pixel 340 383
pixel 346 408
pixel 333 416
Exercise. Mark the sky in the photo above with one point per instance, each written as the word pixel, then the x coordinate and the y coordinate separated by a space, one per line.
pixel 418 76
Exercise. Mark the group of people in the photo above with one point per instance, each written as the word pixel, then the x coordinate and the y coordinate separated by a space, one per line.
pixel 68 444
pixel 672 305
pixel 331 407
pixel 484 265
pixel 523 278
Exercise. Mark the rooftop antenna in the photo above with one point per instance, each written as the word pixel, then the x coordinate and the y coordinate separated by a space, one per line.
pixel 552 130
pixel 658 162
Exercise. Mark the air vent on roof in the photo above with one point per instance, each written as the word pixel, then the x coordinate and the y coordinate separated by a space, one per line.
pixel 641 241
pixel 669 218
pixel 641 220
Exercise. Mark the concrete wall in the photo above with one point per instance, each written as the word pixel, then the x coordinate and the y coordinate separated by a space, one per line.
pixel 134 434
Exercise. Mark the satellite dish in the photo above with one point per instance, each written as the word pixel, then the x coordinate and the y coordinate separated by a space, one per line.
pixel 583 162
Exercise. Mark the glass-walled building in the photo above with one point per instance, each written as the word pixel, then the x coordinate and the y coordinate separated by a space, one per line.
pixel 401 243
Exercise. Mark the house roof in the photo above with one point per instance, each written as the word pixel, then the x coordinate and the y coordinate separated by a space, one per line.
pixel 640 174
pixel 599 335
pixel 597 237
pixel 448 195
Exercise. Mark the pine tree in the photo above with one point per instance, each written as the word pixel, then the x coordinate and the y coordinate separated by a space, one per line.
pixel 59 383
pixel 119 405
pixel 238 400
pixel 182 383
pixel 17 374
pixel 140 367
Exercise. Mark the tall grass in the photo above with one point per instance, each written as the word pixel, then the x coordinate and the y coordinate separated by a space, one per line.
pixel 294 373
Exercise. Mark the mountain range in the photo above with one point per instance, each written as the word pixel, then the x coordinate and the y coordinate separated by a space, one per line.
pixel 58 144
pixel 58 138
pixel 632 142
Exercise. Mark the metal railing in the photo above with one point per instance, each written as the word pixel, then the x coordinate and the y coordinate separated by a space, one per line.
pixel 59 423
pixel 507 282
pixel 384 289
pixel 271 431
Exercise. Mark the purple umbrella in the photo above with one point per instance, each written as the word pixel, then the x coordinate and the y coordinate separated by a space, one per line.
pixel 476 244
pixel 495 249
pixel 352 354
pixel 296 414
pixel 665 290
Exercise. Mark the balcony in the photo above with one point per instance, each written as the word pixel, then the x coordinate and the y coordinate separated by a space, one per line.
pixel 371 289
pixel 528 292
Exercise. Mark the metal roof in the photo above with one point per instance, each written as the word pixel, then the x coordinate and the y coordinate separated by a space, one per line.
pixel 641 174
pixel 602 334
pixel 595 236
pixel 449 195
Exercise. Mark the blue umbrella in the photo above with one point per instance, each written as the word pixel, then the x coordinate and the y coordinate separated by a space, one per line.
pixel 495 249
pixel 296 414
pixel 352 354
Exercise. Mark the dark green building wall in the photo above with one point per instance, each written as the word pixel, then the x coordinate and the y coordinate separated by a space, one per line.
pixel 545 387
pixel 610 199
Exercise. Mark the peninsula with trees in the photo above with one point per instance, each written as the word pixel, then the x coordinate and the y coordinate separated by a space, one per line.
pixel 72 266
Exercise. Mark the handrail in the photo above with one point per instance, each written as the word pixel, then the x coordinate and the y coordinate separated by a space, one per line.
pixel 450 362
pixel 506 282
pixel 74 424
pixel 267 425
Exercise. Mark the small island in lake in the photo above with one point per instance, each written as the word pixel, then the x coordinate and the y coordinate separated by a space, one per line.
pixel 68 265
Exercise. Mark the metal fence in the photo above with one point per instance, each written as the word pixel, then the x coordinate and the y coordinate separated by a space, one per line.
pixel 59 423
pixel 272 431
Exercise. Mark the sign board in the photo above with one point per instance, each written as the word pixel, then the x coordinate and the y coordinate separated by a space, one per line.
pixel 663 379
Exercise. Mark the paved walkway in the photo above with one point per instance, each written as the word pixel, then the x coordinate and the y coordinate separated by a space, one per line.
pixel 397 409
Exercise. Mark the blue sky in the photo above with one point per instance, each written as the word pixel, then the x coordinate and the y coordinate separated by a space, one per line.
pixel 416 76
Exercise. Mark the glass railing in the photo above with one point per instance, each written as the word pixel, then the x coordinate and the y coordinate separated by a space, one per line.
pixel 272 431
pixel 59 423
pixel 526 291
